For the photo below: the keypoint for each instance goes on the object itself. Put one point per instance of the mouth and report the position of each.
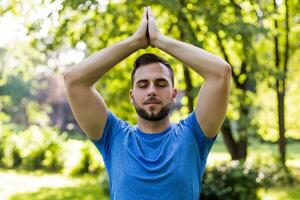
(151, 102)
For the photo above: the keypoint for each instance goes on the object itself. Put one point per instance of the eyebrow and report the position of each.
(156, 80)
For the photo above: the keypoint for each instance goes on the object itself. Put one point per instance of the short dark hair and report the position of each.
(148, 58)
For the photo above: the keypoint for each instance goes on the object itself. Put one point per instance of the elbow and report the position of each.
(65, 74)
(67, 77)
(226, 71)
(222, 72)
(72, 78)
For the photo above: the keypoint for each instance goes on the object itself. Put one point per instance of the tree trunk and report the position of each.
(238, 148)
(280, 82)
(188, 88)
(187, 74)
(282, 140)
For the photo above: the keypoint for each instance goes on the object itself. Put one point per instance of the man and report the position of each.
(153, 159)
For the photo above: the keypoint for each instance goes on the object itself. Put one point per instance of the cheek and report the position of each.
(138, 97)
(166, 96)
(168, 93)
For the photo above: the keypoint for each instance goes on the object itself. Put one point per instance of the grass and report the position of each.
(84, 191)
(286, 193)
(36, 186)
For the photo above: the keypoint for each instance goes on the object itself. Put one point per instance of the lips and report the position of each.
(151, 101)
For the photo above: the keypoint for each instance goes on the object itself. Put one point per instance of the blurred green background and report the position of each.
(45, 155)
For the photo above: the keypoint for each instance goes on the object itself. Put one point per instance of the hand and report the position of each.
(153, 31)
(141, 35)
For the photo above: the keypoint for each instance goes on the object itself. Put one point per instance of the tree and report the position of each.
(238, 35)
(281, 79)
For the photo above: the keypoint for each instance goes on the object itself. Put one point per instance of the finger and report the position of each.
(145, 13)
(150, 12)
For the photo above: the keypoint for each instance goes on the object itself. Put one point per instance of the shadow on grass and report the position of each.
(89, 191)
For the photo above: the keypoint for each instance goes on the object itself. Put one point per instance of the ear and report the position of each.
(174, 94)
(130, 96)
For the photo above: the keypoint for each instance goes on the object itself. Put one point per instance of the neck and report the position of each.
(153, 127)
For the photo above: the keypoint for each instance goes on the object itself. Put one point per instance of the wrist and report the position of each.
(138, 43)
(159, 41)
(133, 43)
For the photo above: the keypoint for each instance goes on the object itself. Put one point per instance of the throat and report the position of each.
(152, 127)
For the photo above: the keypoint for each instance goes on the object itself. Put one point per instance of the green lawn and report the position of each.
(83, 191)
(283, 193)
(15, 185)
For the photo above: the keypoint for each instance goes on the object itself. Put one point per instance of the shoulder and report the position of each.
(114, 121)
(190, 123)
(113, 126)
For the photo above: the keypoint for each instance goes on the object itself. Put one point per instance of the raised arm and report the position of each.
(213, 97)
(86, 103)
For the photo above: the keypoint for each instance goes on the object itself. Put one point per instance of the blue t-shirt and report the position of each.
(164, 166)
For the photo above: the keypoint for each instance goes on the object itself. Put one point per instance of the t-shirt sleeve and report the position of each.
(110, 130)
(205, 143)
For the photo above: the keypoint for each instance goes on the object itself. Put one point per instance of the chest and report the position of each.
(171, 161)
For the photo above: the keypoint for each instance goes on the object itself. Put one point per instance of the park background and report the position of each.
(45, 155)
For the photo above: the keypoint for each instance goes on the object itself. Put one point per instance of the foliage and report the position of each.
(273, 173)
(4, 133)
(231, 181)
(241, 180)
(12, 154)
(19, 102)
(33, 148)
(9, 151)
(86, 164)
(42, 148)
(14, 95)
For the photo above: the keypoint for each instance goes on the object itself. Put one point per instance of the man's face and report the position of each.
(152, 93)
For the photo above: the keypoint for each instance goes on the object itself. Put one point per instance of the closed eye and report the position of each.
(161, 85)
(158, 83)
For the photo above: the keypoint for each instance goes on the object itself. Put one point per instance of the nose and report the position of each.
(151, 90)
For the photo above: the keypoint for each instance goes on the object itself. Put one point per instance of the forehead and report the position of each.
(152, 71)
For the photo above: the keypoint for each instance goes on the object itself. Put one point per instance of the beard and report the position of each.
(164, 111)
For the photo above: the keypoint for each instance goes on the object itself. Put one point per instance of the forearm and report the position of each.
(204, 63)
(91, 69)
